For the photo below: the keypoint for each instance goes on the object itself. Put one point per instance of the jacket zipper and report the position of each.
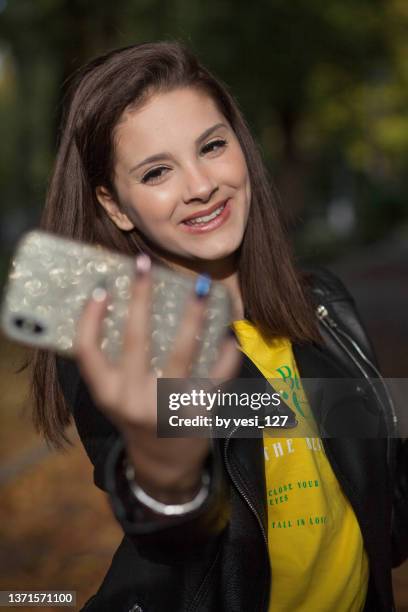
(334, 329)
(245, 497)
(391, 420)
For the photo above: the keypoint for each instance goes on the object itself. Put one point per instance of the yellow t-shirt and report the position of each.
(315, 545)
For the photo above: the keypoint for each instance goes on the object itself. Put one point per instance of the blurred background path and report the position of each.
(56, 528)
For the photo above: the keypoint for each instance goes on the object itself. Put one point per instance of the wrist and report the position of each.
(178, 492)
(166, 481)
(166, 504)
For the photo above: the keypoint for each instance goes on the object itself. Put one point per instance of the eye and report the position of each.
(214, 146)
(154, 175)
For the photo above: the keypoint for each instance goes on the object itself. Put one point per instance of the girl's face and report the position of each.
(180, 177)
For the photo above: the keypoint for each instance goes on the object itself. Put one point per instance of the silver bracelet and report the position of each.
(160, 507)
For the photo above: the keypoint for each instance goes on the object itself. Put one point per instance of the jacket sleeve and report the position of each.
(96, 432)
(164, 539)
(157, 538)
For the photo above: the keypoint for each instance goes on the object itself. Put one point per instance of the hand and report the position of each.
(126, 392)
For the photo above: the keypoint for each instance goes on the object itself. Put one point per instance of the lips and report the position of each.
(206, 212)
(212, 224)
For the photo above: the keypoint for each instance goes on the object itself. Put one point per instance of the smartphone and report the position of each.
(51, 278)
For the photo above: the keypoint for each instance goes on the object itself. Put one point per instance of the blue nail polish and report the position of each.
(203, 285)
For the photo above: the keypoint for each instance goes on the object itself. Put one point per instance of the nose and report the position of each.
(200, 184)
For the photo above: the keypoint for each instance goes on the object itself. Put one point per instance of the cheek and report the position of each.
(239, 170)
(244, 177)
(147, 207)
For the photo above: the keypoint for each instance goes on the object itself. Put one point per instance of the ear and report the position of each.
(120, 219)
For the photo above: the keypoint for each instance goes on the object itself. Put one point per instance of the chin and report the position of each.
(216, 254)
(220, 249)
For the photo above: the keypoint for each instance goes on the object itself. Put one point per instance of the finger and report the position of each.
(228, 362)
(92, 362)
(188, 334)
(135, 357)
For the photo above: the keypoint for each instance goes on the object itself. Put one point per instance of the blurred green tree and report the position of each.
(323, 84)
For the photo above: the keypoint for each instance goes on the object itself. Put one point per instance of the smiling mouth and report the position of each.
(206, 218)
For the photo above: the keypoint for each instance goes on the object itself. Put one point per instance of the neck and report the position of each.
(232, 284)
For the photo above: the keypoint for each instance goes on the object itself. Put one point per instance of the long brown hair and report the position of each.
(272, 291)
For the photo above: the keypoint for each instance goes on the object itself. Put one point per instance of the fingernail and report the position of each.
(202, 286)
(99, 294)
(143, 264)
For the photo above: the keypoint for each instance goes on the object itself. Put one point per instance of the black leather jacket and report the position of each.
(216, 559)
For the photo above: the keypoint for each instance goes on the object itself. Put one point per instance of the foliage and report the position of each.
(323, 84)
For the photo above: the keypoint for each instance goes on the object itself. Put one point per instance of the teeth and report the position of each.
(206, 218)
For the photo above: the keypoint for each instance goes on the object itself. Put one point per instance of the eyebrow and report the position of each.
(160, 156)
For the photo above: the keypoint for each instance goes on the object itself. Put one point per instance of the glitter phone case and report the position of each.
(51, 278)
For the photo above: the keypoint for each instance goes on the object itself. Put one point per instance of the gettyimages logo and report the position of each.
(288, 406)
